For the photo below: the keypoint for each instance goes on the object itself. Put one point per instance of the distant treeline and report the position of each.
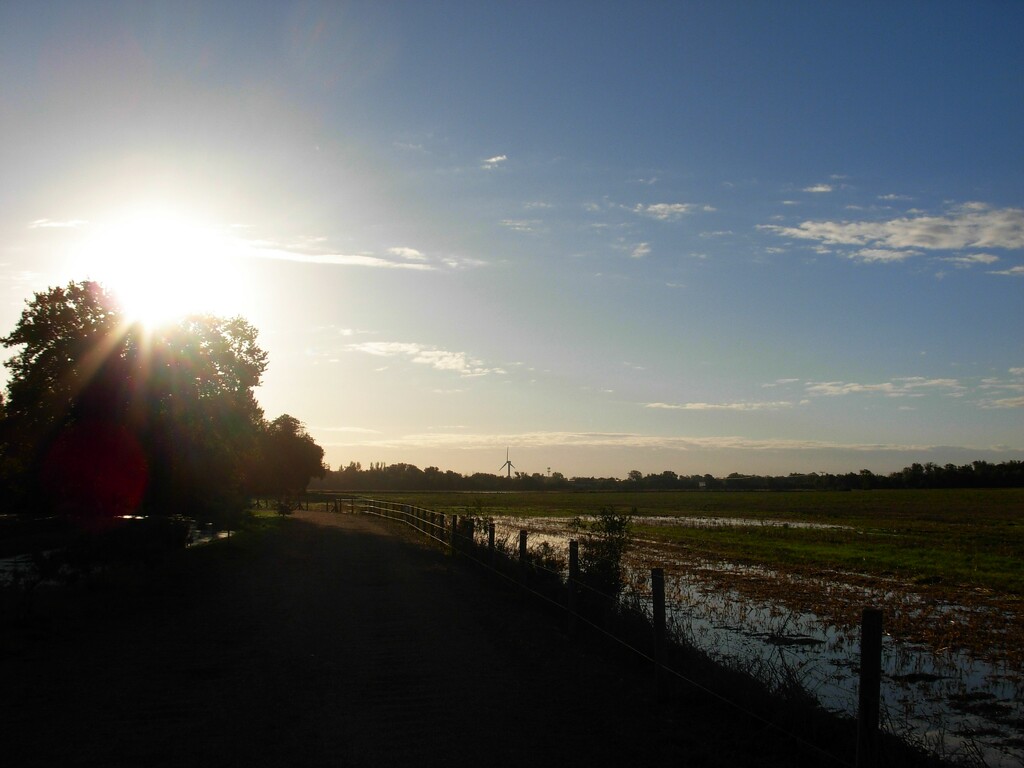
(408, 477)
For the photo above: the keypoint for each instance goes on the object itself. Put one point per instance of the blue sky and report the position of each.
(703, 237)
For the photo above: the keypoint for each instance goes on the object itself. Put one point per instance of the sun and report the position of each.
(163, 266)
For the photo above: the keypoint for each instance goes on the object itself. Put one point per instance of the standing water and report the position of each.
(757, 619)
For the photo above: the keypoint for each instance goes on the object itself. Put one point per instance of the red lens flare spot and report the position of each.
(96, 472)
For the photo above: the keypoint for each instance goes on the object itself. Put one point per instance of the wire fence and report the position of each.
(639, 620)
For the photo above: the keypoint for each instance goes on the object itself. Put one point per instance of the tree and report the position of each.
(103, 418)
(201, 418)
(289, 457)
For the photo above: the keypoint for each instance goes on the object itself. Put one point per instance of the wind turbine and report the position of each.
(508, 464)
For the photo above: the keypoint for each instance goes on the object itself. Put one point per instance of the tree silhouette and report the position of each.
(104, 418)
(289, 457)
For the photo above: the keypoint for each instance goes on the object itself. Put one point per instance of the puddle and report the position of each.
(24, 567)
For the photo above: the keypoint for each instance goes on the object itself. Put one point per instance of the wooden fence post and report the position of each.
(454, 545)
(574, 573)
(490, 543)
(870, 688)
(522, 557)
(658, 619)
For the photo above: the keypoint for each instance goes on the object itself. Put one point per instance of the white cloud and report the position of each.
(971, 259)
(467, 441)
(641, 250)
(439, 359)
(819, 188)
(407, 253)
(780, 382)
(970, 226)
(494, 162)
(1015, 384)
(745, 406)
(309, 251)
(1017, 271)
(669, 211)
(884, 255)
(522, 225)
(352, 430)
(337, 259)
(462, 262)
(1007, 402)
(910, 386)
(892, 197)
(55, 224)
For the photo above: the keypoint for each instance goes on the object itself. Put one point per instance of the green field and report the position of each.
(955, 538)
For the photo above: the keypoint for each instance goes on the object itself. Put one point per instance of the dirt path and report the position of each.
(338, 643)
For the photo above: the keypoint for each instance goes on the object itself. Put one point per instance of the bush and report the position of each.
(603, 543)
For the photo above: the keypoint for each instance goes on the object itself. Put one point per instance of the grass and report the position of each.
(967, 537)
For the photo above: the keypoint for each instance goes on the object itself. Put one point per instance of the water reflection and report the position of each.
(946, 700)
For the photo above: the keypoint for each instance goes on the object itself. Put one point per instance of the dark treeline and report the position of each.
(408, 477)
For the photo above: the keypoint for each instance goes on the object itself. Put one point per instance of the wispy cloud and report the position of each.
(57, 224)
(407, 253)
(350, 430)
(1006, 402)
(310, 250)
(670, 211)
(530, 226)
(469, 441)
(493, 162)
(439, 359)
(640, 250)
(742, 406)
(973, 225)
(910, 386)
(969, 260)
(1015, 384)
(1017, 271)
(881, 255)
(819, 188)
(338, 259)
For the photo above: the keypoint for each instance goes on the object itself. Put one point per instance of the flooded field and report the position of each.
(952, 674)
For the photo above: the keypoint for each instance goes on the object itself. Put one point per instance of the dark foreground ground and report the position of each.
(337, 642)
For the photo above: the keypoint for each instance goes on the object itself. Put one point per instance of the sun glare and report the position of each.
(163, 266)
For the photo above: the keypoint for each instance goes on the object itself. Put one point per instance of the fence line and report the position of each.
(458, 537)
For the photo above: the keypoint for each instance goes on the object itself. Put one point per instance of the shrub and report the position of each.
(604, 541)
